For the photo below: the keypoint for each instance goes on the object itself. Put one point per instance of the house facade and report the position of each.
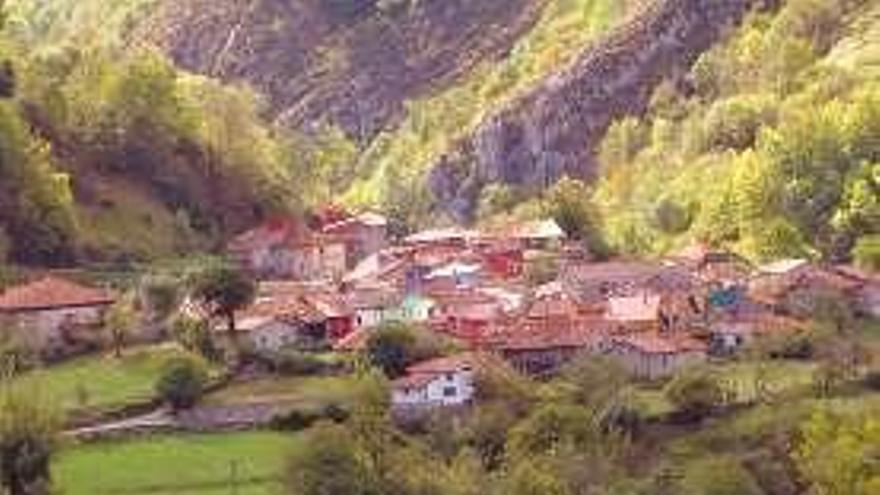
(285, 249)
(652, 356)
(363, 235)
(52, 315)
(443, 382)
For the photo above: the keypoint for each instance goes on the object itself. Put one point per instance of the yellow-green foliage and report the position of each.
(393, 168)
(772, 155)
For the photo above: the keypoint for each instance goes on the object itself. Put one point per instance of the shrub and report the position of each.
(872, 380)
(395, 345)
(695, 393)
(294, 420)
(182, 382)
(718, 476)
(296, 363)
(329, 463)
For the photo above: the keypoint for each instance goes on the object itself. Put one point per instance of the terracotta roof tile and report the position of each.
(52, 292)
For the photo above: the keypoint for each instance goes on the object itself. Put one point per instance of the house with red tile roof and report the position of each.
(284, 248)
(543, 347)
(52, 313)
(442, 382)
(793, 285)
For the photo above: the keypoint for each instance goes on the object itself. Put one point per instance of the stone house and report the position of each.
(651, 356)
(285, 249)
(53, 315)
(363, 235)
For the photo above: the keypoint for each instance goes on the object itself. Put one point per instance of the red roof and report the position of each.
(421, 374)
(52, 292)
(581, 333)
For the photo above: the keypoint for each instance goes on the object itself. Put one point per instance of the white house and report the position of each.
(442, 382)
(267, 333)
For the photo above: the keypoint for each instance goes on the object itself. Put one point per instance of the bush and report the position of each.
(295, 420)
(872, 380)
(328, 463)
(718, 476)
(866, 253)
(182, 382)
(395, 345)
(296, 363)
(695, 393)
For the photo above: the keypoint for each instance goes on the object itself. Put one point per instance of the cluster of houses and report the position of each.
(330, 285)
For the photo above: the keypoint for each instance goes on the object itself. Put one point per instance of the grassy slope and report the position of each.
(188, 464)
(108, 382)
(308, 393)
(434, 123)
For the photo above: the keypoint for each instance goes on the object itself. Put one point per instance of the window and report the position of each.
(450, 377)
(450, 391)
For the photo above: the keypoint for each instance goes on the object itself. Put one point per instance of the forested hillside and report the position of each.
(773, 148)
(112, 153)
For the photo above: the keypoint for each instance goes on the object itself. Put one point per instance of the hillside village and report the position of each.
(522, 292)
(440, 247)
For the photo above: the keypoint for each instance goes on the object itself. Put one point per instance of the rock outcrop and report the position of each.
(352, 63)
(555, 129)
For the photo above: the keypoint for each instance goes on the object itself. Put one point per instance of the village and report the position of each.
(524, 293)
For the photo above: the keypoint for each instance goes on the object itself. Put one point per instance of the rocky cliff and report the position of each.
(555, 129)
(352, 63)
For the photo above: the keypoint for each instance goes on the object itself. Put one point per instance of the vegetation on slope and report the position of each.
(123, 156)
(772, 148)
(393, 170)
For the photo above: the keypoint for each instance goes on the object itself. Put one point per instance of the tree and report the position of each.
(329, 463)
(570, 204)
(118, 323)
(29, 426)
(395, 345)
(160, 295)
(723, 475)
(223, 289)
(695, 393)
(866, 253)
(182, 382)
(837, 454)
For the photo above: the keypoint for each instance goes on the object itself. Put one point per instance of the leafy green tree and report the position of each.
(395, 345)
(160, 295)
(119, 322)
(835, 454)
(182, 382)
(223, 289)
(866, 253)
(570, 204)
(695, 393)
(551, 427)
(329, 463)
(195, 336)
(722, 475)
(534, 476)
(29, 427)
(734, 123)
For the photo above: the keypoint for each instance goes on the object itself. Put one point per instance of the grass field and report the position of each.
(185, 464)
(310, 393)
(102, 381)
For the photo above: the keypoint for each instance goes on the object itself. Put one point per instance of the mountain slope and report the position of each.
(352, 64)
(555, 129)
